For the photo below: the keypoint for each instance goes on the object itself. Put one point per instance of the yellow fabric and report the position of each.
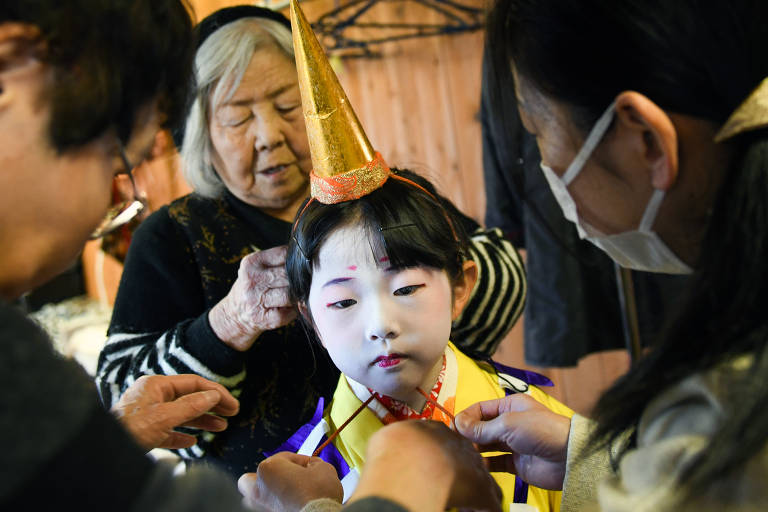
(474, 384)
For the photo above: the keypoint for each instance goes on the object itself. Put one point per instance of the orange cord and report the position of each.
(363, 406)
(445, 213)
(333, 436)
(434, 402)
(300, 214)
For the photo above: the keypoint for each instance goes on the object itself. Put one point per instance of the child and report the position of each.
(379, 280)
(377, 267)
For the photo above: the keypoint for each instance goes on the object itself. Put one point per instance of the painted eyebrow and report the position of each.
(248, 101)
(338, 280)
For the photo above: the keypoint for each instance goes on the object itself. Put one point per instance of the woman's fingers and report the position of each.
(489, 422)
(177, 441)
(207, 422)
(185, 384)
(535, 437)
(273, 257)
(276, 298)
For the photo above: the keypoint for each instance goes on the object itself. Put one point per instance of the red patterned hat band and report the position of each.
(352, 184)
(350, 189)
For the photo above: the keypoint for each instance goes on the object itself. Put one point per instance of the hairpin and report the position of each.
(299, 246)
(385, 228)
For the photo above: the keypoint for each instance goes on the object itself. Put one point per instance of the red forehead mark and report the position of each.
(352, 267)
(384, 259)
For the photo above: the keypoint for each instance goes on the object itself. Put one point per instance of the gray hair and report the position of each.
(220, 64)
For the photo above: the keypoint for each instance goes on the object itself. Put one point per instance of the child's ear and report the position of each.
(463, 289)
(307, 315)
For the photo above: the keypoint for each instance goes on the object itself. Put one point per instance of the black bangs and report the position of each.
(402, 221)
(410, 228)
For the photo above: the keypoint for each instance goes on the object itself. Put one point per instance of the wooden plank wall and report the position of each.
(419, 104)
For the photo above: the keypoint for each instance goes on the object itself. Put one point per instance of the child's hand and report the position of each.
(288, 481)
(536, 436)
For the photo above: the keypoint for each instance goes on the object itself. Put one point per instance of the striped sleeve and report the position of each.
(128, 356)
(159, 322)
(498, 298)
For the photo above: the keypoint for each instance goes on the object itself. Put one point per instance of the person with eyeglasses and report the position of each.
(124, 211)
(78, 103)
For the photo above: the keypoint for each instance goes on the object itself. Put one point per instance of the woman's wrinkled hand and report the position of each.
(257, 302)
(536, 437)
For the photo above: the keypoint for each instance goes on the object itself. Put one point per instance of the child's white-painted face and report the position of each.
(386, 329)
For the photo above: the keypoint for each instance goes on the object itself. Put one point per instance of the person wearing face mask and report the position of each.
(659, 162)
(77, 104)
(571, 308)
(204, 288)
(636, 249)
(651, 122)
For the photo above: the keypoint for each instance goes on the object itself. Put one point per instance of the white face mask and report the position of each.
(639, 249)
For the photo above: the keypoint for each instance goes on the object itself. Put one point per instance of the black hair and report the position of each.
(411, 227)
(700, 58)
(109, 59)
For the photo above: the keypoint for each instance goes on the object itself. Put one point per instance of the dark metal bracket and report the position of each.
(333, 28)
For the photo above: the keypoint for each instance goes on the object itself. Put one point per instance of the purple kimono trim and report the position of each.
(521, 491)
(330, 453)
(530, 378)
(332, 456)
(527, 376)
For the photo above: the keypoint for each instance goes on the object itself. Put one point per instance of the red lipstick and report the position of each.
(388, 360)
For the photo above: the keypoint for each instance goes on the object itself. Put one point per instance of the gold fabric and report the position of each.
(751, 115)
(351, 184)
(341, 153)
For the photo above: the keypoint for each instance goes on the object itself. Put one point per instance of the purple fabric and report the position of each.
(521, 488)
(521, 491)
(297, 439)
(526, 376)
(332, 456)
(330, 453)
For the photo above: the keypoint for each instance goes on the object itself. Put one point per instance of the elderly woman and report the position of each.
(204, 289)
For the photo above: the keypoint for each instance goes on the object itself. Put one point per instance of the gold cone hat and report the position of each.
(752, 114)
(345, 166)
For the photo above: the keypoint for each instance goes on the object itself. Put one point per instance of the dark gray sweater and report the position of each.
(64, 451)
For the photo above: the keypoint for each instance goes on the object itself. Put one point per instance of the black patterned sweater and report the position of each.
(184, 259)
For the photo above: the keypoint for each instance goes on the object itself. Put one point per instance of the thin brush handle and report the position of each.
(333, 436)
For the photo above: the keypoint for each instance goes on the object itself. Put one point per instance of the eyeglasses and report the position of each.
(124, 211)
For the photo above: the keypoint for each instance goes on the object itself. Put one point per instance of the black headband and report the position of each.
(214, 22)
(218, 19)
